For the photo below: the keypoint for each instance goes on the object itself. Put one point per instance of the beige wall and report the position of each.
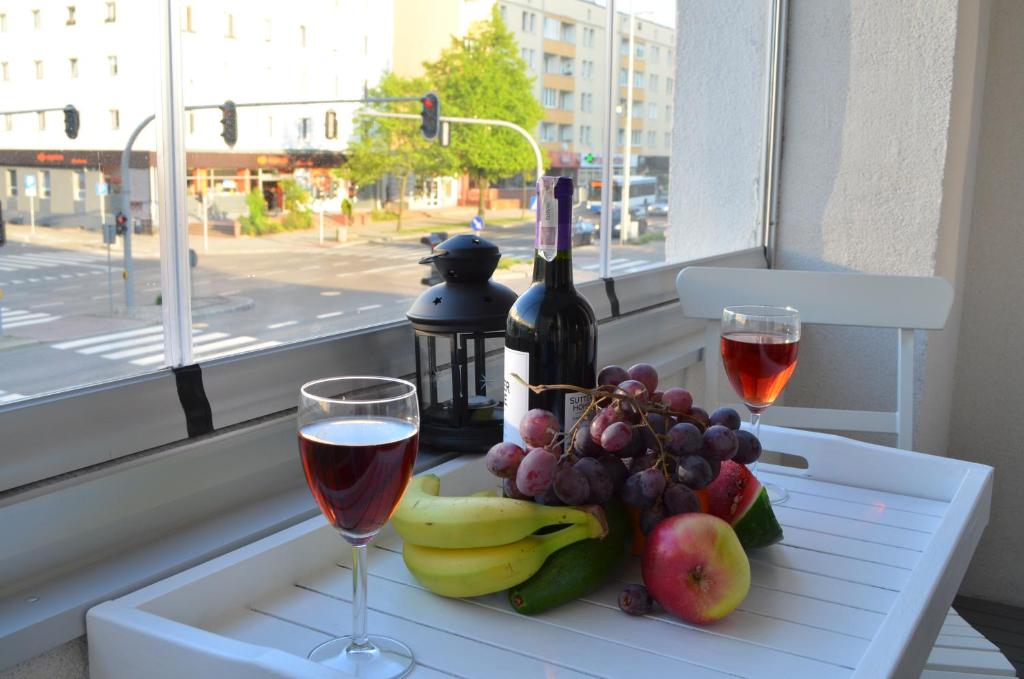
(422, 30)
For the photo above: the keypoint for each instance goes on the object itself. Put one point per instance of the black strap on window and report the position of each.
(613, 300)
(198, 415)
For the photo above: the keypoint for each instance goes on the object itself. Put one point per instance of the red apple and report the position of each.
(695, 567)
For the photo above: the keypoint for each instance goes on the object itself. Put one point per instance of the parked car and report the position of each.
(659, 208)
(636, 215)
(582, 232)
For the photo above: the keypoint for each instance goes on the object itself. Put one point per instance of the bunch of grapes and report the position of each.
(653, 448)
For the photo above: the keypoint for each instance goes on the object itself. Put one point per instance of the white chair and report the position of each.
(905, 303)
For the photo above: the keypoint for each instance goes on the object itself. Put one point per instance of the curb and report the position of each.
(228, 305)
(8, 342)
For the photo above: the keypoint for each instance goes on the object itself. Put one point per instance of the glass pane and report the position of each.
(66, 318)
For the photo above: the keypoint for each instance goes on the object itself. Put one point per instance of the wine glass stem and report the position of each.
(755, 425)
(359, 637)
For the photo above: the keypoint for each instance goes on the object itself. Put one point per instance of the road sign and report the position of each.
(102, 189)
(477, 223)
(109, 234)
(30, 185)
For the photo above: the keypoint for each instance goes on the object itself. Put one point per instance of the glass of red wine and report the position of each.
(358, 438)
(759, 347)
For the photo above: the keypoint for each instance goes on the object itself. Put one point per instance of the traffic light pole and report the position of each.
(472, 121)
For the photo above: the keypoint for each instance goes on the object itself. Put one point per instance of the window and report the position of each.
(638, 79)
(638, 109)
(550, 63)
(12, 182)
(565, 134)
(668, 113)
(585, 134)
(36, 20)
(652, 111)
(668, 140)
(637, 137)
(302, 36)
(189, 27)
(115, 119)
(3, 23)
(588, 37)
(548, 132)
(39, 69)
(549, 98)
(639, 47)
(44, 184)
(622, 76)
(73, 65)
(552, 28)
(652, 139)
(111, 12)
(568, 65)
(229, 25)
(305, 128)
(568, 33)
(8, 122)
(587, 69)
(620, 138)
(112, 64)
(191, 122)
(41, 121)
(652, 81)
(586, 102)
(528, 56)
(71, 16)
(526, 23)
(668, 85)
(504, 14)
(5, 70)
(654, 54)
(78, 184)
(565, 101)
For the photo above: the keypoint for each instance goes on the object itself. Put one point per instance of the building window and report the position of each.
(305, 128)
(638, 79)
(504, 14)
(565, 134)
(622, 77)
(115, 119)
(533, 22)
(548, 132)
(620, 138)
(527, 54)
(652, 81)
(550, 63)
(112, 64)
(37, 20)
(549, 98)
(668, 140)
(637, 137)
(5, 70)
(587, 69)
(3, 23)
(639, 50)
(302, 36)
(8, 122)
(586, 102)
(41, 120)
(44, 184)
(78, 184)
(268, 31)
(588, 37)
(668, 55)
(111, 12)
(71, 16)
(229, 25)
(652, 139)
(655, 54)
(568, 33)
(585, 134)
(668, 113)
(526, 22)
(565, 101)
(638, 109)
(624, 47)
(652, 111)
(568, 66)
(551, 28)
(668, 85)
(189, 28)
(191, 122)
(12, 182)
(39, 69)
(73, 65)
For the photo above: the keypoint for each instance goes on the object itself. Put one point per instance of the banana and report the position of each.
(425, 519)
(483, 570)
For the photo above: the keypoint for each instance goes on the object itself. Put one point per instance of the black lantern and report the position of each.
(460, 340)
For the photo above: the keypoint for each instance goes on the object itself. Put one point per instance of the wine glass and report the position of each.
(358, 438)
(759, 347)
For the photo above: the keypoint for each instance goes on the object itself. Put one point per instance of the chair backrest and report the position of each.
(906, 303)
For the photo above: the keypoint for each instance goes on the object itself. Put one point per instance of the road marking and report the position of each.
(18, 281)
(45, 306)
(331, 314)
(49, 278)
(66, 275)
(33, 280)
(330, 293)
(96, 297)
(254, 347)
(66, 287)
(378, 270)
(367, 308)
(406, 300)
(74, 344)
(36, 321)
(282, 324)
(80, 274)
(227, 293)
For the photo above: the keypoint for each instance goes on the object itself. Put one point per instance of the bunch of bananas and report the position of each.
(479, 544)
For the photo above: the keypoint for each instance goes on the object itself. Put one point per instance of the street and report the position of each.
(58, 329)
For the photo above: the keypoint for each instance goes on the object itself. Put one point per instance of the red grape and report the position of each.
(694, 472)
(646, 374)
(636, 389)
(651, 517)
(601, 486)
(726, 417)
(699, 414)
(538, 428)
(611, 375)
(656, 396)
(509, 489)
(678, 400)
(571, 486)
(652, 483)
(616, 469)
(583, 444)
(536, 471)
(749, 449)
(605, 418)
(636, 600)
(616, 437)
(678, 499)
(549, 497)
(645, 461)
(684, 439)
(633, 495)
(503, 459)
(720, 443)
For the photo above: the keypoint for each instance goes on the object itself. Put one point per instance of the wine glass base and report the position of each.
(383, 658)
(777, 495)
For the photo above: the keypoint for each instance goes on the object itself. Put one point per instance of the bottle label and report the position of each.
(575, 405)
(547, 218)
(517, 396)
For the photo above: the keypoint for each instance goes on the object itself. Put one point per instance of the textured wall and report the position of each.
(68, 661)
(986, 423)
(718, 127)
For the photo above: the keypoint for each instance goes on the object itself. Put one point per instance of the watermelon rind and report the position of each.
(758, 527)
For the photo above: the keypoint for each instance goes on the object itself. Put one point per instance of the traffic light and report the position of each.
(229, 122)
(121, 222)
(71, 121)
(430, 113)
(331, 125)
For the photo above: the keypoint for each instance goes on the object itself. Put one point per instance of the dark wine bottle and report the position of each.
(551, 333)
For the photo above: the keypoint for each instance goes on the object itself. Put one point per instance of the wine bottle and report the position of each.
(551, 332)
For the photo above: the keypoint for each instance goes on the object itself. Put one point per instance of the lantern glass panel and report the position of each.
(484, 383)
(435, 377)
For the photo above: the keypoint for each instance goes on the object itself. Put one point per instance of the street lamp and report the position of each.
(625, 218)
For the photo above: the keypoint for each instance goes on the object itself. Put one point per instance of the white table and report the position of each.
(876, 543)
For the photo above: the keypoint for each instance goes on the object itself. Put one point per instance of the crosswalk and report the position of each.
(622, 265)
(20, 269)
(145, 346)
(18, 318)
(9, 396)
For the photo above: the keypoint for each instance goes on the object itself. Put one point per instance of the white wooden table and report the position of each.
(876, 543)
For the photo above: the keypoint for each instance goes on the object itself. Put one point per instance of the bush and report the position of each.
(295, 221)
(383, 215)
(256, 222)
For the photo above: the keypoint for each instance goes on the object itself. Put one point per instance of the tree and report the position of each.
(383, 146)
(483, 76)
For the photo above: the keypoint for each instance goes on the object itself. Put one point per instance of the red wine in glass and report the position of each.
(358, 468)
(758, 365)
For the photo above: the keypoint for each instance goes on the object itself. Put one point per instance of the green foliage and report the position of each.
(296, 198)
(299, 216)
(255, 223)
(383, 215)
(346, 208)
(483, 76)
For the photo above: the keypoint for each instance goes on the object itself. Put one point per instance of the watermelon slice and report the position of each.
(738, 498)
